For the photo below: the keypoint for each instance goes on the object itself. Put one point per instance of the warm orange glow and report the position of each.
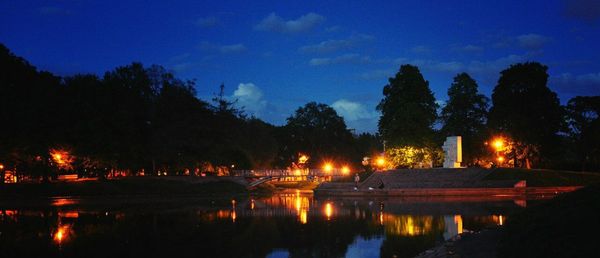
(303, 216)
(297, 172)
(328, 210)
(498, 143)
(501, 220)
(381, 218)
(500, 159)
(459, 223)
(252, 204)
(302, 159)
(409, 225)
(61, 234)
(63, 201)
(69, 214)
(62, 158)
(328, 167)
(381, 161)
(345, 170)
(1, 166)
(233, 214)
(298, 201)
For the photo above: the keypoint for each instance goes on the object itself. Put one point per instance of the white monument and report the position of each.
(452, 152)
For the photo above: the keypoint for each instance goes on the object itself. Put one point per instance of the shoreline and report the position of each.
(475, 192)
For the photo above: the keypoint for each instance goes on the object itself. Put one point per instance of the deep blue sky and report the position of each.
(274, 56)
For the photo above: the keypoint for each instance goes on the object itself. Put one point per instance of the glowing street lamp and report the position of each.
(381, 162)
(498, 144)
(345, 170)
(328, 167)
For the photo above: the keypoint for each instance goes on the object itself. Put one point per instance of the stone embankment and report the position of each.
(436, 182)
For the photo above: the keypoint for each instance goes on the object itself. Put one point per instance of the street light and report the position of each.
(345, 170)
(381, 162)
(498, 144)
(328, 167)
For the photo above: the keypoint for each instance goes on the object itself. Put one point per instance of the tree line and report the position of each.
(142, 118)
(535, 129)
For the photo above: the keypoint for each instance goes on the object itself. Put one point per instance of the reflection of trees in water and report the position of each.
(261, 226)
(185, 233)
(408, 235)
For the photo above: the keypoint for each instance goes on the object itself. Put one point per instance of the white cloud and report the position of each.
(224, 49)
(342, 59)
(250, 97)
(433, 65)
(532, 41)
(353, 111)
(583, 84)
(334, 45)
(207, 22)
(475, 67)
(275, 23)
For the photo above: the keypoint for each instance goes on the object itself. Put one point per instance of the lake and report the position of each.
(282, 225)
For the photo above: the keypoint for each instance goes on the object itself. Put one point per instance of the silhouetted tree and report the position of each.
(408, 110)
(584, 123)
(465, 115)
(526, 110)
(29, 111)
(317, 130)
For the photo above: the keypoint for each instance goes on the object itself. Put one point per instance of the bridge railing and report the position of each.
(286, 172)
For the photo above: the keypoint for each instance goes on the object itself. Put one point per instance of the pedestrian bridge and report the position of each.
(259, 176)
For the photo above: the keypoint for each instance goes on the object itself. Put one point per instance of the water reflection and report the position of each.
(63, 201)
(328, 210)
(293, 224)
(62, 234)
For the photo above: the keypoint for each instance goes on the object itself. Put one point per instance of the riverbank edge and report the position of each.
(480, 191)
(133, 187)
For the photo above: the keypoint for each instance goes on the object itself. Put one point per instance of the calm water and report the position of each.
(283, 225)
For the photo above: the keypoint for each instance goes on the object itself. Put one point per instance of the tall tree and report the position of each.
(465, 115)
(317, 130)
(28, 109)
(408, 110)
(525, 109)
(584, 123)
(131, 99)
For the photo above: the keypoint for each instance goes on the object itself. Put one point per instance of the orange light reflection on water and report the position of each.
(63, 201)
(62, 234)
(328, 210)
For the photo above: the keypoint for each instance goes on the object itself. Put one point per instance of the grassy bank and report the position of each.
(544, 177)
(562, 227)
(125, 186)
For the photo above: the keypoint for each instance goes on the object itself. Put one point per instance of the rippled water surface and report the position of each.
(282, 225)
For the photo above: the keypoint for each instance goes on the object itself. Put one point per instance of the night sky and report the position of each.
(274, 57)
